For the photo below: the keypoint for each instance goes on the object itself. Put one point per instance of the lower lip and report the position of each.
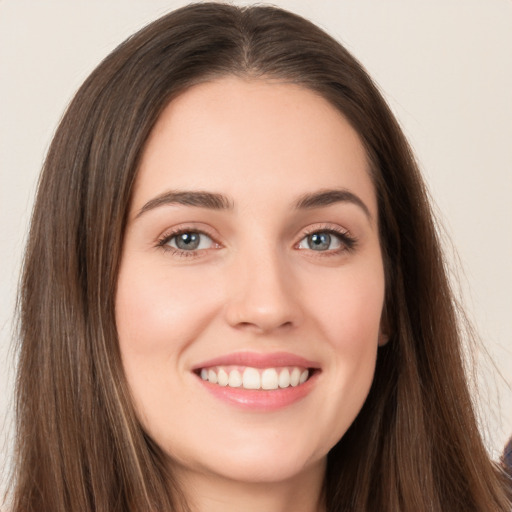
(260, 399)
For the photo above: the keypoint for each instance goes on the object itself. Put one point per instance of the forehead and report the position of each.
(254, 137)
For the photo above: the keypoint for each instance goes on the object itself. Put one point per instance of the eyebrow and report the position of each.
(217, 201)
(328, 197)
(201, 199)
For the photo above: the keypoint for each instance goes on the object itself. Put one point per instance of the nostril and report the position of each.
(262, 326)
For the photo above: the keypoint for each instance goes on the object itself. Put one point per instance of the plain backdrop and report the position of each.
(445, 67)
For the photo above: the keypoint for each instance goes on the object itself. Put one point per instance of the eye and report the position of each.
(326, 240)
(188, 241)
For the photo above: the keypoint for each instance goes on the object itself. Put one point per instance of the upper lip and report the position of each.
(258, 360)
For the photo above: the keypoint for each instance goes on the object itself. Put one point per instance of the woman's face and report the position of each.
(251, 283)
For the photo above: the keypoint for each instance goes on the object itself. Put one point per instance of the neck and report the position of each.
(301, 493)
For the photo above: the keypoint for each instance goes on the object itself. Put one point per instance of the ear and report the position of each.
(384, 328)
(383, 338)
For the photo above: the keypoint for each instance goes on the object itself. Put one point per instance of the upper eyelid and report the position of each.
(324, 228)
(349, 241)
(175, 231)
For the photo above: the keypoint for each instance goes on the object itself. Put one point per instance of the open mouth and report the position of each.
(246, 377)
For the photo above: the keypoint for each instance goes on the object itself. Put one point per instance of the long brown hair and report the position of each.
(415, 444)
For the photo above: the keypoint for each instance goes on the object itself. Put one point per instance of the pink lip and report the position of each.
(258, 360)
(260, 400)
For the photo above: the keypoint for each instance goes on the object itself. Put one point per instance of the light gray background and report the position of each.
(445, 67)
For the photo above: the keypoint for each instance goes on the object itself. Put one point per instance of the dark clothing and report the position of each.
(507, 457)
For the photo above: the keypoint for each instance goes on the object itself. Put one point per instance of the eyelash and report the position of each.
(168, 236)
(348, 242)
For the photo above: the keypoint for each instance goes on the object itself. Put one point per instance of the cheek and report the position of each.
(158, 315)
(348, 314)
(349, 308)
(355, 331)
(157, 312)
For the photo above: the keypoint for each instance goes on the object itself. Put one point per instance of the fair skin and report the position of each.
(280, 271)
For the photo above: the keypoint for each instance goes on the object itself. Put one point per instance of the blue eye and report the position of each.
(322, 241)
(189, 241)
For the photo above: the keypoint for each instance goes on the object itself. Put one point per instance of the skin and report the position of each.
(255, 284)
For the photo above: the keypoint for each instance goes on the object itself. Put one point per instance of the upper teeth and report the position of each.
(255, 378)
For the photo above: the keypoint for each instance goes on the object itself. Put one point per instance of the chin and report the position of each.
(254, 463)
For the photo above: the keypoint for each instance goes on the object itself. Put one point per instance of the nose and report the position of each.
(262, 295)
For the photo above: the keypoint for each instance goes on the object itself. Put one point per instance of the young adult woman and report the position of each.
(234, 296)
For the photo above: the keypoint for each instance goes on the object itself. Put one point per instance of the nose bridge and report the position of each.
(262, 294)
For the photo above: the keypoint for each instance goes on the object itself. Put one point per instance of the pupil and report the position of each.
(319, 241)
(188, 241)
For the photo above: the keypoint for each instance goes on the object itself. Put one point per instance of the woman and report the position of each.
(234, 296)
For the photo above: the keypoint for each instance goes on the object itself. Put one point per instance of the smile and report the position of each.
(258, 381)
(255, 378)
